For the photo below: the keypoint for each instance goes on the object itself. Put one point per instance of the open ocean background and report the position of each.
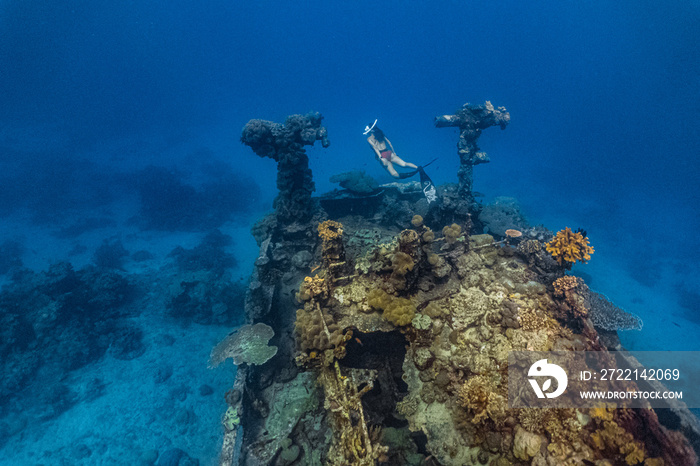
(105, 106)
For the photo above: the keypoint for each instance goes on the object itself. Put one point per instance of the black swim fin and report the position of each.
(405, 175)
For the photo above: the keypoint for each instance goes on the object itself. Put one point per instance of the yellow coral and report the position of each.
(400, 311)
(634, 453)
(429, 236)
(417, 221)
(568, 246)
(310, 287)
(330, 230)
(378, 299)
(601, 412)
(615, 439)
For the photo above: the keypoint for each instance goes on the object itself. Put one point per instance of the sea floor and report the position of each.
(165, 399)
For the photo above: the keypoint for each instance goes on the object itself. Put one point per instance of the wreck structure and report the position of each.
(472, 120)
(392, 329)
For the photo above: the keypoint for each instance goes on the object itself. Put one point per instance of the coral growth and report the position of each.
(566, 283)
(402, 263)
(618, 443)
(451, 233)
(400, 312)
(574, 292)
(247, 345)
(312, 287)
(316, 332)
(607, 316)
(332, 248)
(568, 247)
(378, 299)
(479, 395)
(330, 230)
(580, 301)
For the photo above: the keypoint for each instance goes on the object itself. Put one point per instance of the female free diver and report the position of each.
(384, 150)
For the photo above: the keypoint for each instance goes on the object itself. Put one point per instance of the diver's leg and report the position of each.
(396, 159)
(390, 168)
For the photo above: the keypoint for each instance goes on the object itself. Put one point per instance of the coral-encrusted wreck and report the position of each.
(394, 331)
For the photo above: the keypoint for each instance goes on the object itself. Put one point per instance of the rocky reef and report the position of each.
(393, 332)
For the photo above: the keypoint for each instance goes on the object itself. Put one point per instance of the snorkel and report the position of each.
(370, 128)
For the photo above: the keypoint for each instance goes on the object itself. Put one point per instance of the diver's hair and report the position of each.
(378, 134)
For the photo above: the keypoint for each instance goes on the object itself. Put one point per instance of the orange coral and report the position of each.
(568, 246)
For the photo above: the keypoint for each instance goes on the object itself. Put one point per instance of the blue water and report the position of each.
(105, 104)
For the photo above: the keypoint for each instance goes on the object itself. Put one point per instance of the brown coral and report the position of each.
(479, 395)
(316, 332)
(530, 246)
(564, 284)
(408, 238)
(451, 233)
(330, 230)
(402, 263)
(333, 250)
(568, 247)
(574, 291)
